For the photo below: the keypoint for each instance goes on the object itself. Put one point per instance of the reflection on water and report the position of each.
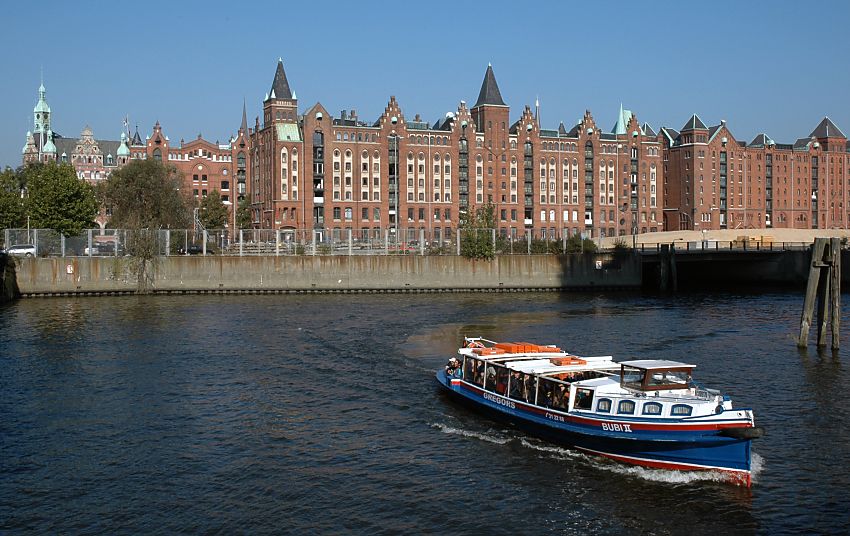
(320, 414)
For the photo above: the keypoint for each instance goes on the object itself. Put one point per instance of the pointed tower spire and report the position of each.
(490, 93)
(280, 85)
(244, 126)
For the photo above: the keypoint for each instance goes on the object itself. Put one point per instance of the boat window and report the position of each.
(497, 379)
(632, 377)
(604, 405)
(626, 406)
(652, 408)
(584, 398)
(474, 371)
(681, 410)
(669, 379)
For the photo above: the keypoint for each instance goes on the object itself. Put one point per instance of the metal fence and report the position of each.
(271, 242)
(378, 241)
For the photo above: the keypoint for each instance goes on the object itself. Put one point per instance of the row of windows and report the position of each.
(627, 407)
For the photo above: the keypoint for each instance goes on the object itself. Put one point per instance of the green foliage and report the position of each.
(145, 194)
(476, 232)
(621, 247)
(542, 247)
(12, 214)
(575, 244)
(213, 213)
(57, 199)
(243, 215)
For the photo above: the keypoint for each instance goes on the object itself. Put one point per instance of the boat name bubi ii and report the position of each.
(644, 412)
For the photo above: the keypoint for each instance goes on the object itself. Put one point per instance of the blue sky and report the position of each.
(776, 67)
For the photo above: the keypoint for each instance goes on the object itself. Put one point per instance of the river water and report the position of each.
(320, 414)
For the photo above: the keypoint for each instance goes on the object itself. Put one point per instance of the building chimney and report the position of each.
(342, 114)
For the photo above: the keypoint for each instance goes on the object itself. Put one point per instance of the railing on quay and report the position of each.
(703, 246)
(283, 242)
(378, 241)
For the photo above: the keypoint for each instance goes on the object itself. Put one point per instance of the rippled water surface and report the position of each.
(320, 414)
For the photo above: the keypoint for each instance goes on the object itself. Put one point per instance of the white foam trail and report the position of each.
(477, 435)
(661, 475)
(645, 473)
(756, 465)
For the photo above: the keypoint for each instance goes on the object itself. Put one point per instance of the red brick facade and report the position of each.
(334, 174)
(717, 182)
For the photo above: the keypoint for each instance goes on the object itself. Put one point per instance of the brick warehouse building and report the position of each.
(334, 174)
(714, 181)
(205, 166)
(312, 171)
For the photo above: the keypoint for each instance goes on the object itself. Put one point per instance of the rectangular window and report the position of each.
(364, 214)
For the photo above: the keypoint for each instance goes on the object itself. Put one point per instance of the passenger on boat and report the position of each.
(558, 401)
(546, 395)
(516, 386)
(453, 369)
(529, 388)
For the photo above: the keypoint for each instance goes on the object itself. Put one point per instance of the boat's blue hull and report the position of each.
(680, 444)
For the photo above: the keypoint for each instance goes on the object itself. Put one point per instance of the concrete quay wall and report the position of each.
(83, 275)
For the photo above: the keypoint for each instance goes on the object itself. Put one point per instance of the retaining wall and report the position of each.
(81, 275)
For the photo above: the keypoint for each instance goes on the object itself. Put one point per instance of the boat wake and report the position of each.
(597, 462)
(490, 436)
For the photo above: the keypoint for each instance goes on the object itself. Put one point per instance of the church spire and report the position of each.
(280, 85)
(490, 93)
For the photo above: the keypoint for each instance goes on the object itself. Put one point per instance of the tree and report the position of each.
(475, 232)
(144, 197)
(243, 215)
(12, 214)
(57, 199)
(145, 194)
(213, 213)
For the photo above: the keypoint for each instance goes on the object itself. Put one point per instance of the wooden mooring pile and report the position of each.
(825, 285)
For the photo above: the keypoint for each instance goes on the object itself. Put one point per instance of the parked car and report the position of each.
(21, 250)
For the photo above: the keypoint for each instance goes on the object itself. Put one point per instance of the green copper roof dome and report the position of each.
(41, 105)
(123, 150)
(49, 147)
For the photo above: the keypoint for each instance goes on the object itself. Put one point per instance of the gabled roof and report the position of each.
(827, 129)
(562, 130)
(671, 134)
(574, 132)
(648, 131)
(712, 131)
(802, 144)
(762, 140)
(489, 93)
(694, 123)
(280, 85)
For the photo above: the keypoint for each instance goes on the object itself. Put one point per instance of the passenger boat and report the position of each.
(643, 412)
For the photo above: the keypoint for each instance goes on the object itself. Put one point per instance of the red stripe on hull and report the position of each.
(743, 478)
